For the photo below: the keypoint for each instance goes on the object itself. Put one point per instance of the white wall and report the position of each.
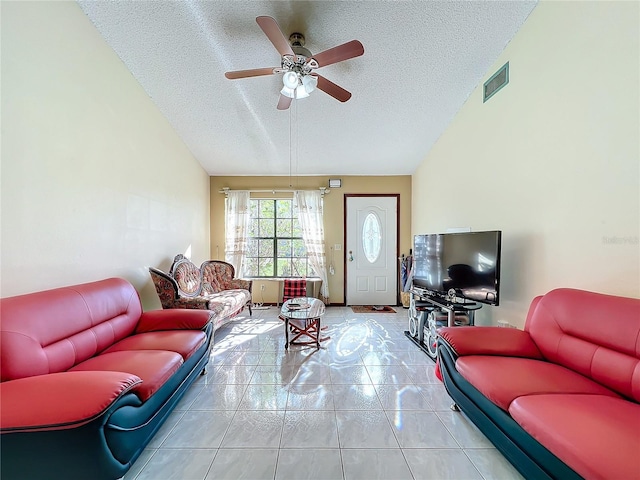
(95, 182)
(552, 159)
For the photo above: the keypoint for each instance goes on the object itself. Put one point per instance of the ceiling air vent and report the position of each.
(496, 82)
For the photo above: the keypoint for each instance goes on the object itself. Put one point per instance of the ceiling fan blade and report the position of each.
(271, 29)
(337, 54)
(256, 72)
(330, 88)
(284, 102)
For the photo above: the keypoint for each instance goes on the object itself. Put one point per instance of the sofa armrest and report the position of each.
(173, 319)
(60, 401)
(238, 283)
(490, 341)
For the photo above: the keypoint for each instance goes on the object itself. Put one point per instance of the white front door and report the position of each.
(371, 251)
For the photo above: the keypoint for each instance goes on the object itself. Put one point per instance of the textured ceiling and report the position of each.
(422, 60)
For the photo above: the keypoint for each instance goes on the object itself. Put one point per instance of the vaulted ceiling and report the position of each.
(422, 60)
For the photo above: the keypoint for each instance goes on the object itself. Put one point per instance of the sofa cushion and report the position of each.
(184, 342)
(70, 399)
(53, 330)
(573, 328)
(503, 379)
(475, 340)
(178, 319)
(595, 435)
(218, 274)
(187, 276)
(154, 367)
(210, 279)
(228, 302)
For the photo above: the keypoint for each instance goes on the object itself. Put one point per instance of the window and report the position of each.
(371, 237)
(276, 247)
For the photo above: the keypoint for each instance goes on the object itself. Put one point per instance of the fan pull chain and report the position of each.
(290, 144)
(297, 159)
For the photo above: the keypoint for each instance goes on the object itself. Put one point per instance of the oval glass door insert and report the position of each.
(371, 237)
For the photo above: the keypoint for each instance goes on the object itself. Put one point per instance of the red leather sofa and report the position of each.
(87, 378)
(559, 399)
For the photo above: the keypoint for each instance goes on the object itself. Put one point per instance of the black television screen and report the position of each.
(468, 263)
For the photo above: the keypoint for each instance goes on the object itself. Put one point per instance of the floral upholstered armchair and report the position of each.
(211, 286)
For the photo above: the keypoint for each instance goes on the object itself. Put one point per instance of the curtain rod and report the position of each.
(323, 190)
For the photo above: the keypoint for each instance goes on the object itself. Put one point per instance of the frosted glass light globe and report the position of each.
(290, 80)
(310, 83)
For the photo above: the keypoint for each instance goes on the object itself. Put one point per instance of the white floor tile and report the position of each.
(356, 397)
(199, 429)
(375, 464)
(189, 396)
(178, 464)
(377, 357)
(260, 428)
(310, 397)
(350, 375)
(450, 464)
(417, 429)
(309, 464)
(219, 396)
(311, 372)
(402, 397)
(365, 429)
(264, 397)
(492, 465)
(423, 373)
(244, 464)
(229, 374)
(388, 374)
(437, 396)
(367, 405)
(272, 374)
(463, 430)
(307, 429)
(243, 358)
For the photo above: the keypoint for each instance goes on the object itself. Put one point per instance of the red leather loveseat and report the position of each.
(559, 399)
(87, 378)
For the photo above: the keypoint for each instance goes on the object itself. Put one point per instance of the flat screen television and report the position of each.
(465, 264)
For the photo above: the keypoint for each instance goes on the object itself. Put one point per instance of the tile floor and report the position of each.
(366, 406)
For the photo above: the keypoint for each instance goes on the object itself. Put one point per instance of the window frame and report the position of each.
(309, 272)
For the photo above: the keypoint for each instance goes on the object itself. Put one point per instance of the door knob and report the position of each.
(351, 255)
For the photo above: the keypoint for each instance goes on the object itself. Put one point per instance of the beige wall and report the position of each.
(552, 159)
(333, 214)
(95, 182)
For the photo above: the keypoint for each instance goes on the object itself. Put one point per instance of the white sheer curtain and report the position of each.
(308, 204)
(236, 226)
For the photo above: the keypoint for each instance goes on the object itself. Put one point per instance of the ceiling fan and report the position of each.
(298, 65)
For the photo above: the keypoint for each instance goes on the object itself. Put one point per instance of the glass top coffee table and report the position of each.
(301, 318)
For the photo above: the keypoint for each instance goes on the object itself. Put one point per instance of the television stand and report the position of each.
(427, 313)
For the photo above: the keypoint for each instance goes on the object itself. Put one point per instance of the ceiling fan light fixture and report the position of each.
(301, 92)
(310, 83)
(290, 80)
(297, 64)
(288, 92)
(296, 88)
